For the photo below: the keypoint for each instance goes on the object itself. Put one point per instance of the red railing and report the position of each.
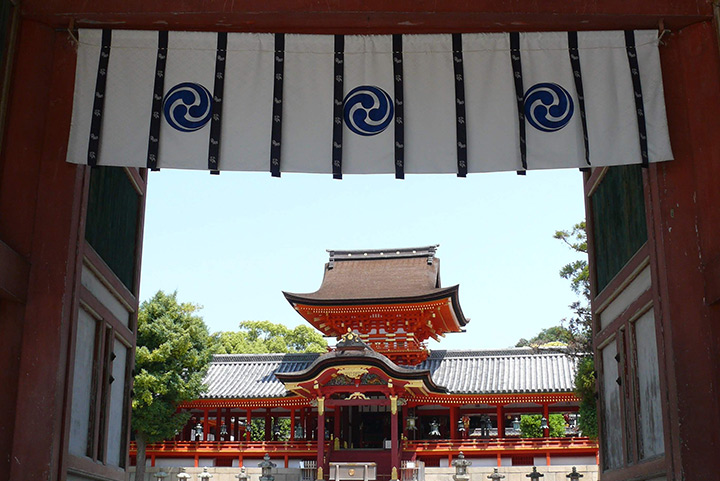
(231, 448)
(506, 445)
(574, 445)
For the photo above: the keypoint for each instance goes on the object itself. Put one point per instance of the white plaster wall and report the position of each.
(116, 420)
(171, 462)
(650, 412)
(292, 463)
(82, 381)
(572, 460)
(103, 294)
(632, 291)
(483, 461)
(612, 440)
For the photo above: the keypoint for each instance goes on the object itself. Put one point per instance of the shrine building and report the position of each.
(380, 396)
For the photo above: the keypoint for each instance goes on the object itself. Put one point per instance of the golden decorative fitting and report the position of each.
(393, 407)
(351, 472)
(321, 406)
(353, 372)
(336, 445)
(320, 474)
(394, 475)
(357, 395)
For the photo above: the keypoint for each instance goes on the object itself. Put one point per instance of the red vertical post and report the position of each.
(248, 435)
(218, 421)
(303, 422)
(395, 452)
(321, 437)
(499, 460)
(500, 421)
(454, 417)
(206, 424)
(336, 425)
(292, 425)
(546, 414)
(267, 425)
(405, 416)
(228, 424)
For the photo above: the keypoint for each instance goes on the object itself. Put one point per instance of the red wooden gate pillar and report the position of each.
(336, 427)
(321, 437)
(292, 424)
(395, 453)
(454, 417)
(500, 421)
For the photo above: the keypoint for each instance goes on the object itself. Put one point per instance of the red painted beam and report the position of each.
(371, 16)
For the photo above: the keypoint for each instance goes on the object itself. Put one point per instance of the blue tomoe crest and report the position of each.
(368, 110)
(548, 107)
(187, 106)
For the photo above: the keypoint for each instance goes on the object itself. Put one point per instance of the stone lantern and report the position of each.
(266, 466)
(204, 476)
(495, 476)
(182, 475)
(160, 475)
(242, 475)
(574, 475)
(534, 475)
(461, 464)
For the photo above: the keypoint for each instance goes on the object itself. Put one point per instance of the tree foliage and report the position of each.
(577, 272)
(580, 326)
(173, 351)
(551, 336)
(261, 337)
(530, 426)
(585, 390)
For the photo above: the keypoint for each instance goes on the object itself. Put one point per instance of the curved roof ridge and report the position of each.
(511, 351)
(297, 356)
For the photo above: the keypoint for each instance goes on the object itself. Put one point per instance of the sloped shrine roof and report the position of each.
(378, 276)
(508, 371)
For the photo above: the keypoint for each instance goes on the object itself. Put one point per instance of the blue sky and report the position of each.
(232, 243)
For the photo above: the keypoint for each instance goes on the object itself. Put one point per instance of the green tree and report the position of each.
(530, 426)
(577, 272)
(580, 327)
(173, 351)
(261, 337)
(585, 390)
(552, 336)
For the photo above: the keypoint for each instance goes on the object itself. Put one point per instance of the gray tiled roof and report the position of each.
(518, 370)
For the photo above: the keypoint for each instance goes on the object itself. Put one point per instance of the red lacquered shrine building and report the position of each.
(380, 396)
